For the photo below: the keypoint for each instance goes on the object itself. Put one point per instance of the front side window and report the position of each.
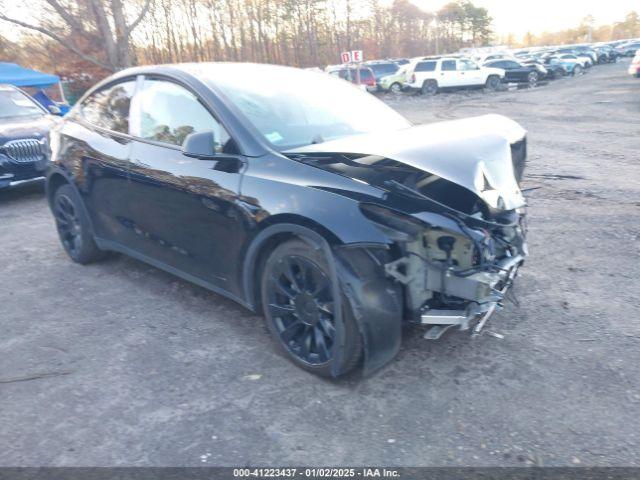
(14, 103)
(166, 112)
(109, 107)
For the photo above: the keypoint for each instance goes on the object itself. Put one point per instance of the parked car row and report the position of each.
(431, 74)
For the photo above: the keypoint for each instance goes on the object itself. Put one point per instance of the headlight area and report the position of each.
(450, 278)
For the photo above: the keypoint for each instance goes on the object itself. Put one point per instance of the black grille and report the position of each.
(27, 150)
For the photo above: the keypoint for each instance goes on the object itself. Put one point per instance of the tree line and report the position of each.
(108, 35)
(84, 40)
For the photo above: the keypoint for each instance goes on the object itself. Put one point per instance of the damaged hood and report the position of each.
(474, 153)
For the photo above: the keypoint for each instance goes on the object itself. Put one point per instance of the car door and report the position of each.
(449, 74)
(183, 209)
(97, 146)
(468, 72)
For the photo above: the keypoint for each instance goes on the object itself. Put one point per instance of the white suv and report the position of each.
(430, 74)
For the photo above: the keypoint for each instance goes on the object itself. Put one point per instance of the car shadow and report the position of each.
(21, 192)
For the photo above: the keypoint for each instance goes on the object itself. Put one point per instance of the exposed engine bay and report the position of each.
(451, 279)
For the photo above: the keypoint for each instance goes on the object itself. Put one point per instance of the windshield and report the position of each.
(293, 108)
(16, 104)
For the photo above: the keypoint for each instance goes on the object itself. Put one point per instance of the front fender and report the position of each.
(358, 276)
(54, 177)
(376, 302)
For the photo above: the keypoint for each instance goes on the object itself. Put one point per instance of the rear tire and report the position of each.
(74, 228)
(297, 301)
(429, 87)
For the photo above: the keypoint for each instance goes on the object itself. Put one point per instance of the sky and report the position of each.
(509, 16)
(520, 16)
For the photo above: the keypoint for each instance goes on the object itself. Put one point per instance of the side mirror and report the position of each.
(200, 145)
(54, 110)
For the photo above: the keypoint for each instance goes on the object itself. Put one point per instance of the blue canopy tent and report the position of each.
(18, 76)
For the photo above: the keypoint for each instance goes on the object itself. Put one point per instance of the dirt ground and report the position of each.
(121, 364)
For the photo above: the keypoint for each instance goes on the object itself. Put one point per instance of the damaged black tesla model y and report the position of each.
(299, 196)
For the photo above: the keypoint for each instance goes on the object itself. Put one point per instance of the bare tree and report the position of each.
(76, 23)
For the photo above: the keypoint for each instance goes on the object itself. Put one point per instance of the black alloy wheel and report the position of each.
(68, 224)
(299, 306)
(73, 226)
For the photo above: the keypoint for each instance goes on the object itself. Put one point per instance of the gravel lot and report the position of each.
(121, 364)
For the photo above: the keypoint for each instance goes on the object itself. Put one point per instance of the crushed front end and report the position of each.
(450, 208)
(457, 275)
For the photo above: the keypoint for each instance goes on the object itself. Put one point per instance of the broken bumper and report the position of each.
(478, 311)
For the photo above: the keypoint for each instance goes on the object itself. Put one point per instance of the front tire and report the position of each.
(395, 88)
(492, 83)
(74, 229)
(298, 304)
(532, 79)
(577, 70)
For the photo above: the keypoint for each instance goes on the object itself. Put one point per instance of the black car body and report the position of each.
(399, 223)
(516, 72)
(24, 125)
(547, 71)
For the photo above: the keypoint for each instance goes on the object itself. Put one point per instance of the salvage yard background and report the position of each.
(118, 363)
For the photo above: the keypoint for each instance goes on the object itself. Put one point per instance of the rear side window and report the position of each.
(109, 107)
(166, 112)
(425, 67)
(384, 68)
(448, 65)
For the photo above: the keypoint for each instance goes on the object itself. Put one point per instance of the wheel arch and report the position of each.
(56, 177)
(54, 181)
(379, 321)
(279, 229)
